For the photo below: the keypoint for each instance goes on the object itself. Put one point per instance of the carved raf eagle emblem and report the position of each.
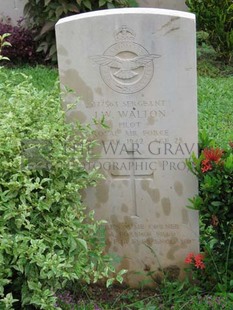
(126, 66)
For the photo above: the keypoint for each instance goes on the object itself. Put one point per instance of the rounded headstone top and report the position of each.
(129, 11)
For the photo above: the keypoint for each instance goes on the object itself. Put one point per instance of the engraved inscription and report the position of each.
(164, 234)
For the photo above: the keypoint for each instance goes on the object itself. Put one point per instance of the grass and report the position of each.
(215, 115)
(215, 108)
(43, 78)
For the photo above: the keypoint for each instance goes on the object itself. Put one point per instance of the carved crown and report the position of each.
(125, 34)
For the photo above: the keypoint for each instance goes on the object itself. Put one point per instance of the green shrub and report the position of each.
(46, 235)
(214, 169)
(43, 15)
(216, 18)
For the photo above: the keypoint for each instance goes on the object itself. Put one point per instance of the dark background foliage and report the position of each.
(215, 18)
(43, 15)
(23, 46)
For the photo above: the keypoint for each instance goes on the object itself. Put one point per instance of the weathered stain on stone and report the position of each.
(108, 244)
(109, 123)
(171, 30)
(158, 277)
(149, 241)
(157, 214)
(171, 20)
(125, 264)
(184, 245)
(84, 194)
(185, 217)
(166, 204)
(76, 83)
(77, 115)
(178, 188)
(98, 90)
(174, 248)
(147, 268)
(102, 192)
(151, 120)
(122, 229)
(172, 272)
(81, 117)
(152, 192)
(124, 208)
(98, 205)
(61, 50)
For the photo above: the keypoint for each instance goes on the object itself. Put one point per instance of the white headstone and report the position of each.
(12, 9)
(137, 67)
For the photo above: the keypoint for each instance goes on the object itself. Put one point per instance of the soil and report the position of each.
(113, 298)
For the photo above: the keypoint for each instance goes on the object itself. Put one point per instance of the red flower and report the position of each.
(196, 260)
(189, 258)
(199, 261)
(205, 165)
(210, 155)
(213, 154)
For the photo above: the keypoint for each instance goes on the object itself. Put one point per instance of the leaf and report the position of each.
(133, 3)
(34, 285)
(110, 6)
(73, 8)
(43, 47)
(27, 9)
(87, 4)
(228, 164)
(102, 2)
(196, 203)
(52, 50)
(109, 282)
(6, 44)
(122, 271)
(4, 36)
(46, 2)
(83, 243)
(59, 11)
(47, 27)
(4, 58)
(119, 278)
(73, 244)
(216, 203)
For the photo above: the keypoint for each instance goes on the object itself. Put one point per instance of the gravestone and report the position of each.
(137, 68)
(13, 9)
(164, 4)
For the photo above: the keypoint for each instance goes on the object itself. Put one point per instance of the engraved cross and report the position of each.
(133, 177)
